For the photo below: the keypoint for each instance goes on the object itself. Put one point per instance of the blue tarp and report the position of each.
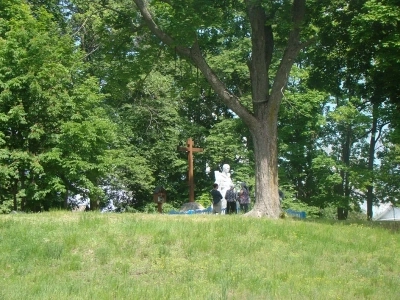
(297, 214)
(207, 210)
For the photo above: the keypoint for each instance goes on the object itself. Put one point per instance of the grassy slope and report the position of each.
(63, 255)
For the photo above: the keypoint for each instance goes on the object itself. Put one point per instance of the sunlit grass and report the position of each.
(63, 255)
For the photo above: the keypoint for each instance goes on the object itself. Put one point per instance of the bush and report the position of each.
(130, 209)
(6, 206)
(204, 200)
(150, 208)
(167, 207)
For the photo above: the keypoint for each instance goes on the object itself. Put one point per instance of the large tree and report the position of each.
(273, 34)
(55, 134)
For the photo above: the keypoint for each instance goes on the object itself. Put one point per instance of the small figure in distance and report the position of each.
(244, 198)
(217, 197)
(230, 197)
(281, 196)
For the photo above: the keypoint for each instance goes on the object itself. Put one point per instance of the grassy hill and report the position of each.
(64, 255)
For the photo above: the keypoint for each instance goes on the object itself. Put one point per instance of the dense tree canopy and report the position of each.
(54, 132)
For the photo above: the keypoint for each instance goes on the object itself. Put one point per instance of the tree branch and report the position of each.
(293, 47)
(231, 100)
(261, 52)
(196, 57)
(104, 6)
(380, 130)
(165, 38)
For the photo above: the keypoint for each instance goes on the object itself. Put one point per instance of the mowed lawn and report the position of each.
(65, 255)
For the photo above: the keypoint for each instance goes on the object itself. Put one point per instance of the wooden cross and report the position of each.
(190, 149)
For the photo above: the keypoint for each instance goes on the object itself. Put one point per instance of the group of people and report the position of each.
(224, 196)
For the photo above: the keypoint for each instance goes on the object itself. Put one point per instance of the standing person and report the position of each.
(217, 197)
(244, 198)
(230, 197)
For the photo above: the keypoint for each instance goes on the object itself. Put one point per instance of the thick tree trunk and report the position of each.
(266, 188)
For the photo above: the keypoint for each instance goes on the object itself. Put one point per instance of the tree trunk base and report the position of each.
(259, 214)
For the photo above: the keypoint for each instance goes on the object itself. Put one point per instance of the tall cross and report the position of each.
(190, 149)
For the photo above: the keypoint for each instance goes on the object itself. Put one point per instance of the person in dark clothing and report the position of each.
(230, 197)
(217, 197)
(244, 198)
(281, 196)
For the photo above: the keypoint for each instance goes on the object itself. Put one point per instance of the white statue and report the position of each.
(224, 182)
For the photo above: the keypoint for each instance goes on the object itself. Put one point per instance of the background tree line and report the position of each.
(92, 103)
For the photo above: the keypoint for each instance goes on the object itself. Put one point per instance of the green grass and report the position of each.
(63, 255)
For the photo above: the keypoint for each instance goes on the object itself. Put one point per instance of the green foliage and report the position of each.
(204, 199)
(388, 177)
(228, 142)
(6, 206)
(150, 208)
(300, 128)
(355, 61)
(167, 207)
(327, 170)
(290, 201)
(55, 131)
(374, 34)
